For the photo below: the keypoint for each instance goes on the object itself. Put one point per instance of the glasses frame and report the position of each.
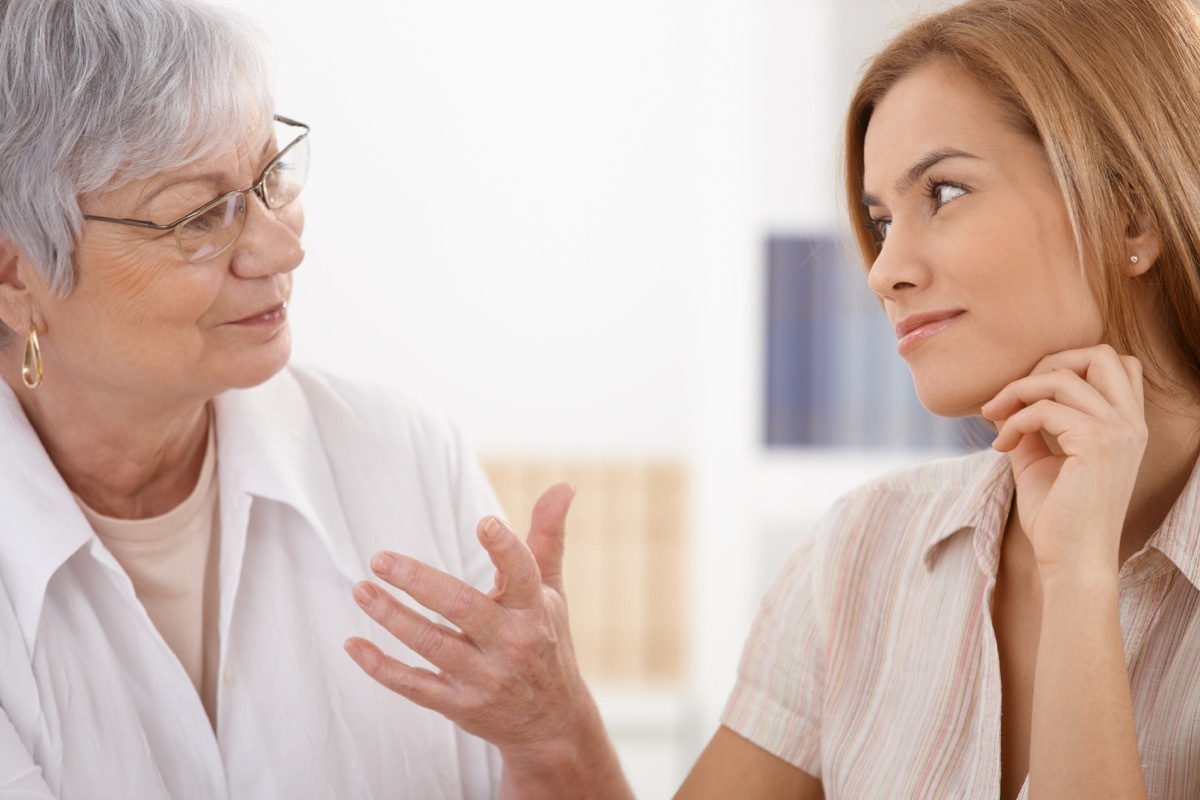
(258, 188)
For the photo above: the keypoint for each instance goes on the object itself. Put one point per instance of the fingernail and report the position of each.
(491, 528)
(360, 653)
(365, 593)
(383, 563)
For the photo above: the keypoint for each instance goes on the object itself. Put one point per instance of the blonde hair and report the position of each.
(1111, 89)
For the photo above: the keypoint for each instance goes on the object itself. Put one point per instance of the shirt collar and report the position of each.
(983, 502)
(42, 525)
(269, 446)
(1178, 538)
(979, 498)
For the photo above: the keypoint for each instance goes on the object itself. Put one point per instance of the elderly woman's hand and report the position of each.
(508, 674)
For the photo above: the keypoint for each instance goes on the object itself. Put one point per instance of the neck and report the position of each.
(123, 460)
(1173, 424)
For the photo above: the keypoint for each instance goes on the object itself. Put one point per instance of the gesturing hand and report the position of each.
(1075, 431)
(508, 674)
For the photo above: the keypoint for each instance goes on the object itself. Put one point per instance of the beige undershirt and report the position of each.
(172, 562)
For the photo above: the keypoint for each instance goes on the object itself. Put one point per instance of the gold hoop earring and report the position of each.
(31, 367)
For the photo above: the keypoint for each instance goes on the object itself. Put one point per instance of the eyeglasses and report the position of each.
(211, 229)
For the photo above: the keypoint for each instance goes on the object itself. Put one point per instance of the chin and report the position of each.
(260, 364)
(953, 399)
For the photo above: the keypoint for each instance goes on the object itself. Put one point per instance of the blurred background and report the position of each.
(606, 237)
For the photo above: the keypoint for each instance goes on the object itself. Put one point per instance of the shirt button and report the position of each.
(229, 677)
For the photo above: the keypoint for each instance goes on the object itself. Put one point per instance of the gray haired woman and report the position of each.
(184, 514)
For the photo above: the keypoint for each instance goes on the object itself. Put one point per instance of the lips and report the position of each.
(266, 315)
(913, 321)
(916, 328)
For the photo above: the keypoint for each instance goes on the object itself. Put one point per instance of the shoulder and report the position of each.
(333, 398)
(370, 459)
(934, 485)
(896, 518)
(351, 414)
(371, 437)
(931, 478)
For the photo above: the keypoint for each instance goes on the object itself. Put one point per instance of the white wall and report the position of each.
(515, 207)
(505, 208)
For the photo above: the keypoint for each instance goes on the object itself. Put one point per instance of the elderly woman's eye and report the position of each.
(279, 171)
(221, 215)
(213, 218)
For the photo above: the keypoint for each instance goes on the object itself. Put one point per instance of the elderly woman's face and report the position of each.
(140, 318)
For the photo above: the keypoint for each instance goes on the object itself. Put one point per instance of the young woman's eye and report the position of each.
(944, 192)
(879, 228)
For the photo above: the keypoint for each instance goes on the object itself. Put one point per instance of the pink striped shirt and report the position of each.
(873, 662)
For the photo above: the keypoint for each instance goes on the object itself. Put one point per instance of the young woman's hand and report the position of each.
(1075, 431)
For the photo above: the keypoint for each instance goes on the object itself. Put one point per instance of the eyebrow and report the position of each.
(909, 179)
(213, 178)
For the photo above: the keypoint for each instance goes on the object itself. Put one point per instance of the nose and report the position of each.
(269, 243)
(899, 267)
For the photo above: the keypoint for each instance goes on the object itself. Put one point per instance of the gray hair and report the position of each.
(100, 92)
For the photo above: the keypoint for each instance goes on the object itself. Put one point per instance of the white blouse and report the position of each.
(873, 663)
(315, 475)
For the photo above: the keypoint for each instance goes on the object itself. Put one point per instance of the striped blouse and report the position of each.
(873, 662)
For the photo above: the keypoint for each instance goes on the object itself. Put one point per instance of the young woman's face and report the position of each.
(977, 268)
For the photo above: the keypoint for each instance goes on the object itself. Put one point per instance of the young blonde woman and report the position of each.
(1024, 179)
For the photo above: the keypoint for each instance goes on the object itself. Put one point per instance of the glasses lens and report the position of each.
(286, 177)
(213, 229)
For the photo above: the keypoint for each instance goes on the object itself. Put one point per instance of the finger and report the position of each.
(1029, 449)
(518, 581)
(423, 687)
(1043, 416)
(1133, 369)
(443, 594)
(446, 649)
(547, 532)
(1077, 360)
(1061, 386)
(1101, 367)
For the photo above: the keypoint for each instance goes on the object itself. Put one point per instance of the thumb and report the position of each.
(547, 532)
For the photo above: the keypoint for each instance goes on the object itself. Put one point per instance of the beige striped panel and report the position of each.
(625, 562)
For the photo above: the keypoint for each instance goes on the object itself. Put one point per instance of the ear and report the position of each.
(16, 301)
(1142, 245)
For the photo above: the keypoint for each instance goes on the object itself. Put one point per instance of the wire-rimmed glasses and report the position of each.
(211, 229)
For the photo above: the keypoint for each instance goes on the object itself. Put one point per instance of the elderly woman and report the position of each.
(184, 514)
(1024, 182)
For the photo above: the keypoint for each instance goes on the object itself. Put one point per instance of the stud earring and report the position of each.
(31, 367)
(1133, 259)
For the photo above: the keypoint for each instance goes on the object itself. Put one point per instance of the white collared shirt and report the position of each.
(315, 476)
